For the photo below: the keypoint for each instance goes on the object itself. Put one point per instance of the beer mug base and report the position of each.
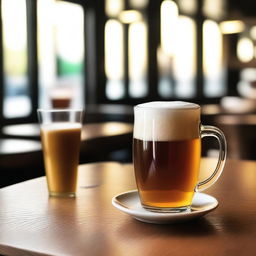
(62, 194)
(167, 209)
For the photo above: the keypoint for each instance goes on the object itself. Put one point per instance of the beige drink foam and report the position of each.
(166, 121)
(60, 126)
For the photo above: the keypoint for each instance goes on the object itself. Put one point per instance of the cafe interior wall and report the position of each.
(124, 52)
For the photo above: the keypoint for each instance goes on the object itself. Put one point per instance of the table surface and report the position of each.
(19, 153)
(34, 224)
(89, 131)
(16, 146)
(235, 108)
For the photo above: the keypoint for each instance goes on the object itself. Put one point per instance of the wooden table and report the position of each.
(89, 131)
(31, 223)
(212, 111)
(97, 139)
(18, 160)
(18, 152)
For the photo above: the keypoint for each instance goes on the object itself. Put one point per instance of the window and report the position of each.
(16, 91)
(214, 71)
(177, 53)
(126, 50)
(61, 53)
(138, 60)
(114, 59)
(112, 51)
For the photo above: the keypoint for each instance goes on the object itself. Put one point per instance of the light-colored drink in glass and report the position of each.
(61, 147)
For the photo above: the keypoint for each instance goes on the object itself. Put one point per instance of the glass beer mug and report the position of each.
(167, 153)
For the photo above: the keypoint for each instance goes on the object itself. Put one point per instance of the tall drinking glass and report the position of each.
(60, 137)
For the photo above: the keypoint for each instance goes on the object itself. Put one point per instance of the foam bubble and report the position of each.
(168, 104)
(166, 120)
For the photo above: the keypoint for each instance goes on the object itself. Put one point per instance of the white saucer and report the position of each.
(129, 202)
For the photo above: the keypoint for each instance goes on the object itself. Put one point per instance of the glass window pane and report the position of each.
(138, 59)
(184, 60)
(114, 60)
(165, 85)
(16, 91)
(165, 53)
(61, 53)
(177, 55)
(169, 22)
(213, 68)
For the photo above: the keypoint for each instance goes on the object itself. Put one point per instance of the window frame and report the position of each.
(95, 81)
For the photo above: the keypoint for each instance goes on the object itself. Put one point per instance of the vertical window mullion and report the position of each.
(16, 101)
(1, 68)
(153, 13)
(32, 55)
(199, 50)
(126, 62)
(100, 56)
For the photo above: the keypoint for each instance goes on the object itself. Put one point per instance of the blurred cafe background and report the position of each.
(108, 55)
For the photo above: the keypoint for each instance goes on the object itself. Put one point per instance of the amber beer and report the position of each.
(166, 171)
(60, 102)
(61, 145)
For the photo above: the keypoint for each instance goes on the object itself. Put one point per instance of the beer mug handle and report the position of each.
(218, 134)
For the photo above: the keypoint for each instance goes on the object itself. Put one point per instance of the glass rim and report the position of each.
(162, 105)
(52, 110)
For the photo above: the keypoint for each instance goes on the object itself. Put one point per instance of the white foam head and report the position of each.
(166, 120)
